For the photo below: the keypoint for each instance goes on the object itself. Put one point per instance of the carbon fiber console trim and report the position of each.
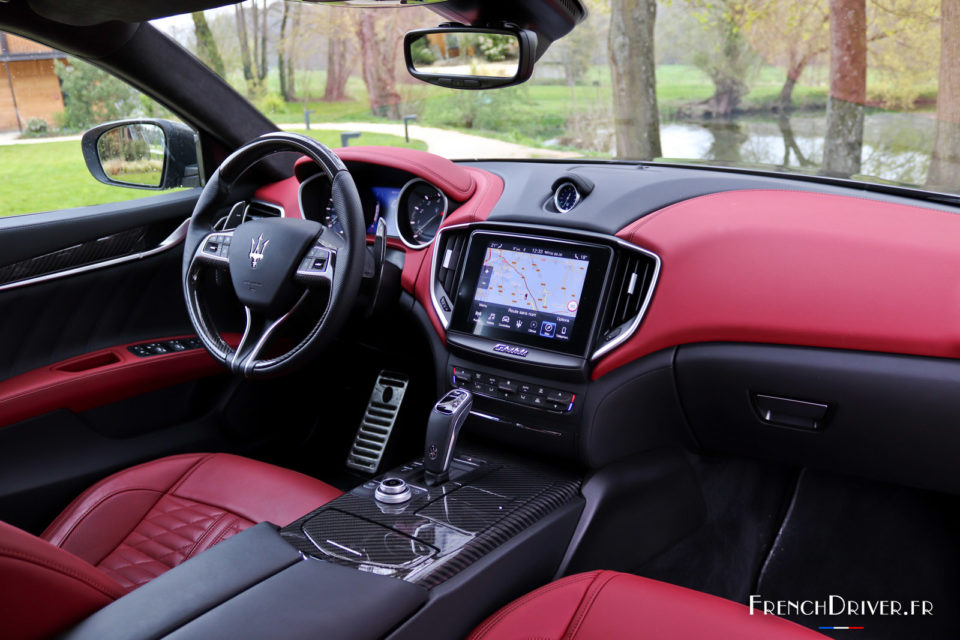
(441, 530)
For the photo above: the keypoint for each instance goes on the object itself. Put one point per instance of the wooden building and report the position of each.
(29, 87)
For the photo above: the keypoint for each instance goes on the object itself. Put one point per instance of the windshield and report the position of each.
(836, 87)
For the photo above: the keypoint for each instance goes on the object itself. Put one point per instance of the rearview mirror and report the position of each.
(470, 58)
(142, 154)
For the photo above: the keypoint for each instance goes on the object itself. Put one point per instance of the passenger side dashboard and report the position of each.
(749, 262)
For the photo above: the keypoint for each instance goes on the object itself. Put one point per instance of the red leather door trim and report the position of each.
(99, 378)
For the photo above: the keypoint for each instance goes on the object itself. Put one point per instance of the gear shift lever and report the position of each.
(447, 417)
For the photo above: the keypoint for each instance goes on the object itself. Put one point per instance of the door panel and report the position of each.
(75, 402)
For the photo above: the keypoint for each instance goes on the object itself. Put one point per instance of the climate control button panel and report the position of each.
(518, 392)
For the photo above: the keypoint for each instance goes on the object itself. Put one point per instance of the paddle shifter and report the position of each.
(447, 417)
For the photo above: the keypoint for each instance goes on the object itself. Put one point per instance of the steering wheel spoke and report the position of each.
(214, 249)
(257, 331)
(317, 267)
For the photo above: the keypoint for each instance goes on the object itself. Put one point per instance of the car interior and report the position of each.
(265, 405)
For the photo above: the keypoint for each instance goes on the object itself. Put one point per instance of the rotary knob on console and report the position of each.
(392, 491)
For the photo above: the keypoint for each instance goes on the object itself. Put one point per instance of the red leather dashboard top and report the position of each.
(800, 268)
(763, 266)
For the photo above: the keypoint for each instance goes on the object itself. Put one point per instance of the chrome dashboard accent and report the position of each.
(446, 210)
(441, 314)
(176, 237)
(262, 203)
(300, 192)
(556, 197)
(635, 323)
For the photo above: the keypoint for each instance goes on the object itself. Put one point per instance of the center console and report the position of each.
(527, 312)
(439, 530)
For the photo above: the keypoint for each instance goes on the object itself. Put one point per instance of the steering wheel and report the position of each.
(274, 263)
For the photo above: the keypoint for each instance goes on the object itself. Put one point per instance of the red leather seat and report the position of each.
(133, 526)
(606, 605)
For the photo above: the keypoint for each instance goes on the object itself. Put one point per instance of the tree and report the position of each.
(340, 56)
(207, 49)
(92, 96)
(281, 54)
(724, 54)
(252, 35)
(243, 38)
(633, 70)
(379, 44)
(793, 33)
(848, 87)
(945, 161)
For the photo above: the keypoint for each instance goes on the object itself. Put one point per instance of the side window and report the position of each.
(47, 100)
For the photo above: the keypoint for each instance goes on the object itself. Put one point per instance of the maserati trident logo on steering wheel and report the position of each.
(257, 247)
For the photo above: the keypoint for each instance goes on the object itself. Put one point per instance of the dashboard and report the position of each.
(412, 212)
(587, 324)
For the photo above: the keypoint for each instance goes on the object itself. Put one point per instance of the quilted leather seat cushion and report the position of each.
(606, 605)
(143, 521)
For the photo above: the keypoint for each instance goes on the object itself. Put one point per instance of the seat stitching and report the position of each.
(223, 533)
(52, 564)
(101, 501)
(586, 604)
(206, 532)
(487, 626)
(189, 472)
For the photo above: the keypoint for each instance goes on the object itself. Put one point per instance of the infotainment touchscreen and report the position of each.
(531, 291)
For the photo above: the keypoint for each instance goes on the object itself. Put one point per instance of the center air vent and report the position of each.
(447, 258)
(634, 277)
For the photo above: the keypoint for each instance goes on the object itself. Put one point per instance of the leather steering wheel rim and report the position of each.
(344, 257)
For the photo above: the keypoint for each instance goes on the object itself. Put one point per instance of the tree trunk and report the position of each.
(262, 73)
(339, 67)
(633, 68)
(848, 87)
(945, 162)
(294, 37)
(785, 101)
(794, 71)
(379, 63)
(244, 44)
(281, 52)
(206, 46)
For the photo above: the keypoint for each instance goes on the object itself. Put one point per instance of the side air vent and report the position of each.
(378, 420)
(450, 250)
(634, 277)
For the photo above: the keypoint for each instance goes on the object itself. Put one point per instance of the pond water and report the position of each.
(896, 146)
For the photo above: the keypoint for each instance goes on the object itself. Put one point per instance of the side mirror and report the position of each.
(470, 58)
(143, 154)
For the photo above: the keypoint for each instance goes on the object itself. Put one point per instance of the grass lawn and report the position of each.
(532, 113)
(53, 175)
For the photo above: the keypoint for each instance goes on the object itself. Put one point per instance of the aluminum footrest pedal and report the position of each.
(378, 420)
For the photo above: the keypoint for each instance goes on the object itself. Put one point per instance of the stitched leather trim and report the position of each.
(498, 617)
(58, 568)
(593, 592)
(69, 512)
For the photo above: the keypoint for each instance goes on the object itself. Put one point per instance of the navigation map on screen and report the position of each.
(531, 290)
